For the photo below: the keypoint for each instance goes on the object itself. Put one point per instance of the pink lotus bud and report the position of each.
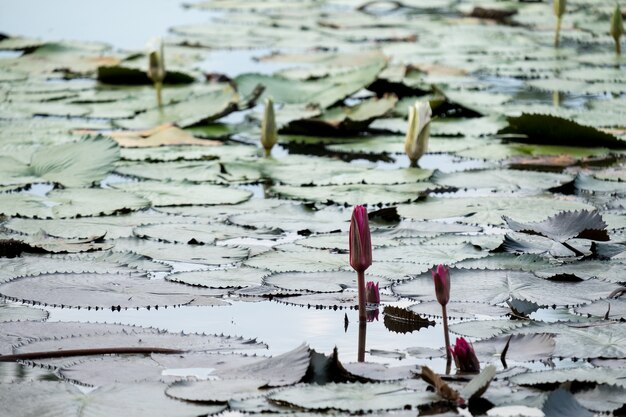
(441, 276)
(464, 356)
(360, 240)
(372, 295)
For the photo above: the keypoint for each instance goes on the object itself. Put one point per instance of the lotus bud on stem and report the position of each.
(559, 11)
(360, 252)
(418, 131)
(269, 135)
(156, 67)
(441, 278)
(464, 356)
(617, 28)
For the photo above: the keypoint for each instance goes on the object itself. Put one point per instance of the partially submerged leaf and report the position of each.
(546, 129)
(565, 225)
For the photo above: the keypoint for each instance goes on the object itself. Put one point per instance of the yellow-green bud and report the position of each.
(418, 131)
(156, 61)
(269, 135)
(559, 7)
(617, 24)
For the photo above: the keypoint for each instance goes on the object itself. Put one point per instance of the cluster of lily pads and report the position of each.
(113, 200)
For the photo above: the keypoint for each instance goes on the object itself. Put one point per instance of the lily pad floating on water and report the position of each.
(56, 399)
(13, 312)
(239, 277)
(220, 391)
(460, 310)
(502, 179)
(370, 194)
(334, 281)
(184, 193)
(70, 202)
(214, 104)
(552, 130)
(196, 254)
(294, 218)
(77, 164)
(105, 291)
(298, 261)
(495, 287)
(563, 226)
(354, 397)
(489, 210)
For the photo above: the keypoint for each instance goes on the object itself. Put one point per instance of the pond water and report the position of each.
(115, 205)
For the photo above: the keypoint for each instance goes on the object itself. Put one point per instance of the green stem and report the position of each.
(618, 46)
(158, 86)
(268, 152)
(361, 283)
(85, 352)
(558, 32)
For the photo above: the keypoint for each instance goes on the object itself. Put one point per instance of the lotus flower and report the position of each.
(441, 276)
(372, 295)
(617, 28)
(360, 252)
(559, 11)
(360, 240)
(418, 132)
(156, 66)
(464, 356)
(269, 135)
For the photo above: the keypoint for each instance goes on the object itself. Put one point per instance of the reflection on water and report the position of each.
(282, 327)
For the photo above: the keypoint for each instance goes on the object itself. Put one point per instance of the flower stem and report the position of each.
(558, 32)
(618, 47)
(361, 283)
(158, 86)
(446, 334)
(362, 335)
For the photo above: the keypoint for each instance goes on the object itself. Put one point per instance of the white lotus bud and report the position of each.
(418, 132)
(156, 66)
(617, 27)
(156, 60)
(269, 135)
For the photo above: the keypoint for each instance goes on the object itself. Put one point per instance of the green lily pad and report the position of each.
(77, 164)
(489, 210)
(552, 130)
(495, 287)
(221, 278)
(106, 291)
(354, 397)
(63, 399)
(184, 193)
(302, 261)
(71, 202)
(215, 104)
(13, 312)
(334, 281)
(370, 194)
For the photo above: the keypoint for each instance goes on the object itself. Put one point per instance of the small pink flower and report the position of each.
(372, 295)
(464, 356)
(441, 276)
(360, 240)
